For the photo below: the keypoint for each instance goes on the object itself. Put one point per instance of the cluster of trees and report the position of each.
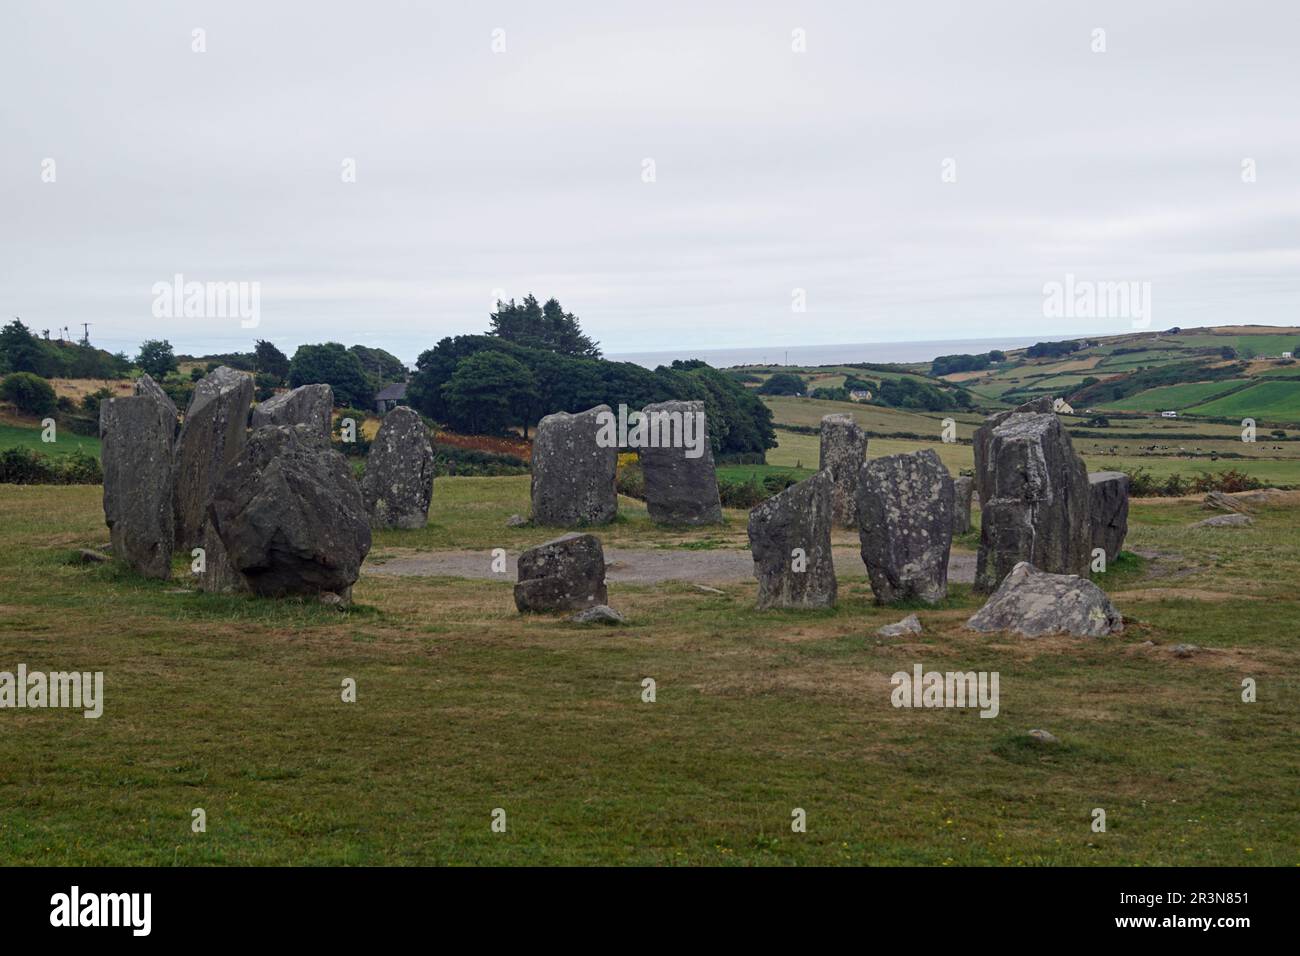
(22, 351)
(913, 393)
(1054, 349)
(488, 384)
(948, 364)
(782, 383)
(547, 327)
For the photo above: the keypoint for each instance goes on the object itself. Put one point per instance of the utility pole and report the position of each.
(85, 339)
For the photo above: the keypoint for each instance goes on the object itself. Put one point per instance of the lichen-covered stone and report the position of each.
(136, 435)
(398, 484)
(290, 514)
(963, 489)
(679, 489)
(796, 520)
(1108, 511)
(566, 574)
(1034, 603)
(573, 472)
(310, 405)
(843, 450)
(1034, 498)
(905, 505)
(212, 435)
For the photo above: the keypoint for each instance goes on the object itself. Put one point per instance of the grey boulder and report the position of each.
(1034, 498)
(310, 405)
(290, 515)
(843, 449)
(908, 625)
(790, 537)
(1226, 521)
(566, 574)
(1108, 511)
(398, 484)
(679, 489)
(1034, 603)
(599, 614)
(212, 435)
(573, 470)
(963, 489)
(137, 434)
(905, 505)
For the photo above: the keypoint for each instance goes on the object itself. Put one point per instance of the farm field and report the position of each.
(1175, 397)
(1277, 401)
(232, 703)
(28, 436)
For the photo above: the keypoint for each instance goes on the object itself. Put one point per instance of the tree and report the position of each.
(546, 327)
(269, 360)
(156, 358)
(384, 368)
(782, 383)
(21, 350)
(489, 392)
(29, 393)
(336, 367)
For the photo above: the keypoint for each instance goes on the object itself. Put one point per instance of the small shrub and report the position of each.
(29, 393)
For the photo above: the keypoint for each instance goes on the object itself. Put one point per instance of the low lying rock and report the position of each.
(599, 614)
(1041, 736)
(88, 556)
(1219, 501)
(1184, 650)
(1226, 521)
(1034, 603)
(908, 625)
(516, 521)
(566, 574)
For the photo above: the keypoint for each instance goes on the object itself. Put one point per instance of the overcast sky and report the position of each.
(524, 170)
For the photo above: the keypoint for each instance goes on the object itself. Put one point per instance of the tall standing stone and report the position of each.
(146, 386)
(905, 505)
(1108, 511)
(290, 516)
(681, 484)
(790, 537)
(843, 450)
(212, 435)
(1034, 494)
(574, 468)
(398, 484)
(310, 405)
(137, 435)
(962, 490)
(566, 574)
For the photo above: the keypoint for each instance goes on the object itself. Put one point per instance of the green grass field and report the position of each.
(1276, 401)
(1175, 397)
(232, 704)
(14, 436)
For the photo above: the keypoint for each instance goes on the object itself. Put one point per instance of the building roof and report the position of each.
(390, 393)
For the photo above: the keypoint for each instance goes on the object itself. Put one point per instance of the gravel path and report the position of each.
(633, 565)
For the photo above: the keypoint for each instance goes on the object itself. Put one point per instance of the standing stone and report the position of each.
(905, 505)
(213, 433)
(398, 483)
(573, 471)
(145, 385)
(566, 574)
(843, 450)
(1034, 603)
(962, 490)
(137, 435)
(1108, 511)
(797, 518)
(311, 405)
(290, 515)
(1034, 498)
(679, 489)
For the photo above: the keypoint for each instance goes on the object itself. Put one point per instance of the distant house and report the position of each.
(1287, 355)
(860, 395)
(389, 397)
(1168, 414)
(1062, 407)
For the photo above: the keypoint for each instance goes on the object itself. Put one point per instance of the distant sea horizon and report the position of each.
(879, 353)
